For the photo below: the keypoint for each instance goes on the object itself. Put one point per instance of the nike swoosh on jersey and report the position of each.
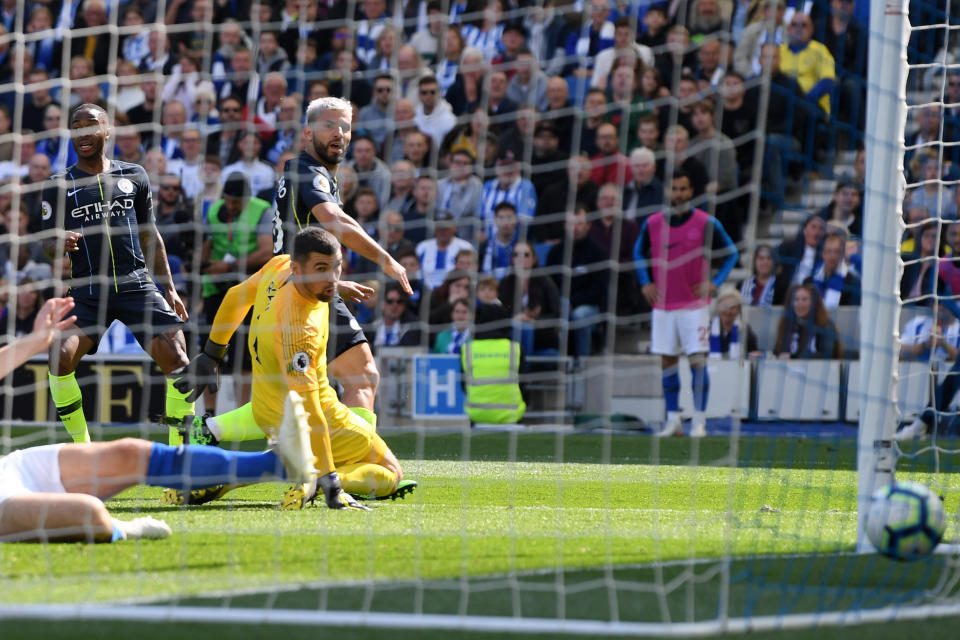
(70, 193)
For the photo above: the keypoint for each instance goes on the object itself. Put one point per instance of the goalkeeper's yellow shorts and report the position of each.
(356, 442)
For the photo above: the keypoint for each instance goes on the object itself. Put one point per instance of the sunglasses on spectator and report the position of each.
(384, 89)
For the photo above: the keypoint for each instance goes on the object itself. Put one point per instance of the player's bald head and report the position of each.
(89, 111)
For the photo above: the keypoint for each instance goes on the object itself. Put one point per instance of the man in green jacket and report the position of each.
(238, 241)
(491, 366)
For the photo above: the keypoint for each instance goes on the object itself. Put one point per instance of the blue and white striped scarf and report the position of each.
(716, 350)
(831, 289)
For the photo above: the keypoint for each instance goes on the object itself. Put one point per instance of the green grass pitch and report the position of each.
(587, 527)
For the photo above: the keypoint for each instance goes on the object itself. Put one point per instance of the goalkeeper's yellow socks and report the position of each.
(177, 408)
(367, 415)
(367, 479)
(69, 403)
(236, 425)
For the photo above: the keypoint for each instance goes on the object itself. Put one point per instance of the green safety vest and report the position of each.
(242, 243)
(491, 370)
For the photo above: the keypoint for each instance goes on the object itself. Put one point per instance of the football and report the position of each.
(905, 521)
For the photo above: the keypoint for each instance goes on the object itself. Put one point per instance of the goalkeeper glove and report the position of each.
(203, 371)
(334, 494)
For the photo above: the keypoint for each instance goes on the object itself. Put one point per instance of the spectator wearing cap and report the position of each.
(728, 336)
(438, 254)
(513, 41)
(238, 241)
(609, 165)
(261, 175)
(548, 162)
(459, 192)
(624, 46)
(529, 84)
(496, 251)
(434, 116)
(508, 186)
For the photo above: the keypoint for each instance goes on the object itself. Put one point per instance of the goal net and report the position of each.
(802, 155)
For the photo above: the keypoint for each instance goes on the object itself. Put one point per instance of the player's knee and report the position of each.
(127, 456)
(93, 516)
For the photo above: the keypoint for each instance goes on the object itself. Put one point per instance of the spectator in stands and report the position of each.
(371, 171)
(286, 138)
(408, 259)
(467, 261)
(496, 251)
(486, 33)
(593, 36)
(36, 101)
(655, 23)
(769, 29)
(434, 115)
(548, 162)
(610, 166)
(274, 89)
(798, 258)
(617, 236)
(241, 81)
(398, 326)
(427, 41)
(239, 240)
(558, 101)
(158, 57)
(625, 48)
(143, 114)
(128, 145)
(805, 330)
(931, 193)
(20, 256)
(498, 103)
(594, 115)
(438, 254)
(174, 219)
(922, 282)
(459, 192)
(38, 171)
(47, 52)
(455, 286)
(643, 194)
(173, 118)
(448, 66)
(421, 208)
(366, 209)
(760, 288)
(417, 149)
(410, 69)
(914, 217)
(676, 142)
(385, 46)
(529, 84)
(508, 186)
(922, 340)
(403, 175)
(586, 289)
(739, 119)
(728, 336)
(518, 135)
(486, 290)
(29, 300)
(392, 234)
(678, 58)
(837, 282)
(846, 40)
(270, 57)
(533, 302)
(375, 119)
(373, 22)
(705, 18)
(190, 166)
(155, 164)
(845, 209)
(211, 186)
(557, 198)
(717, 154)
(403, 125)
(185, 82)
(512, 41)
(808, 61)
(451, 340)
(347, 79)
(260, 174)
(466, 92)
(648, 134)
(95, 46)
(711, 66)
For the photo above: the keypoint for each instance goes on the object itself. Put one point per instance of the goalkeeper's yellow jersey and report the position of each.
(288, 345)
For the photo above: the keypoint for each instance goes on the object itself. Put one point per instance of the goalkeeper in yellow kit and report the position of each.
(288, 339)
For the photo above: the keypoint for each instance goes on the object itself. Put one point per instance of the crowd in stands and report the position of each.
(501, 149)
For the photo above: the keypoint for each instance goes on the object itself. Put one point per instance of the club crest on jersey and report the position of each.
(46, 211)
(300, 361)
(125, 185)
(320, 183)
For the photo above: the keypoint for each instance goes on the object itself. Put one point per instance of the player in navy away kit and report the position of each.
(103, 211)
(307, 194)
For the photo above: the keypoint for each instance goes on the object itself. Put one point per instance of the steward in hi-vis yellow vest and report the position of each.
(491, 371)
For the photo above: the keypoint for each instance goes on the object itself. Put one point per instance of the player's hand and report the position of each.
(71, 241)
(353, 291)
(335, 496)
(173, 299)
(396, 271)
(49, 323)
(651, 293)
(704, 290)
(203, 372)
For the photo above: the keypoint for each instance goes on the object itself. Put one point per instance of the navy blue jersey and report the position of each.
(107, 209)
(305, 183)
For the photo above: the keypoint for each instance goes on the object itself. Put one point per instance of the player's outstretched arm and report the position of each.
(352, 235)
(50, 321)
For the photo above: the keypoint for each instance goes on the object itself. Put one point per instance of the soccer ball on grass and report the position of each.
(905, 520)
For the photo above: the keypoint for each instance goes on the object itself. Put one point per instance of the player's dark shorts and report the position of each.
(144, 311)
(345, 331)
